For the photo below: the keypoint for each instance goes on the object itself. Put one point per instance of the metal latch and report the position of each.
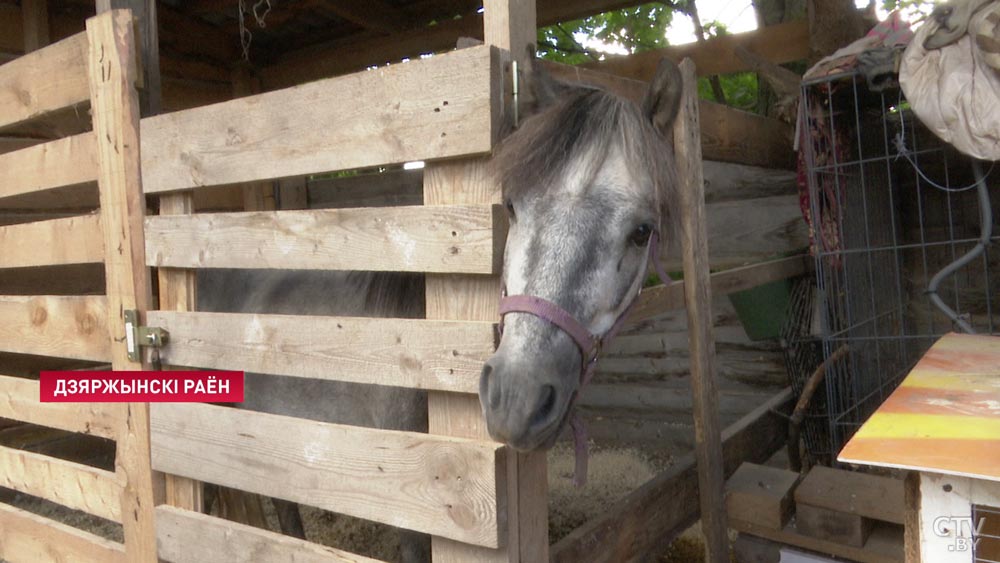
(137, 336)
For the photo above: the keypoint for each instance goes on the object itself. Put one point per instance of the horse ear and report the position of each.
(542, 89)
(663, 99)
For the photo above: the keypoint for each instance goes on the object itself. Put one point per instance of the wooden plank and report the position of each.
(437, 485)
(650, 517)
(731, 135)
(73, 240)
(727, 134)
(740, 232)
(698, 301)
(67, 327)
(761, 494)
(423, 354)
(112, 79)
(146, 49)
(662, 298)
(871, 496)
(19, 401)
(349, 122)
(885, 545)
(29, 538)
(831, 525)
(70, 484)
(781, 43)
(459, 238)
(44, 81)
(184, 536)
(64, 162)
(178, 292)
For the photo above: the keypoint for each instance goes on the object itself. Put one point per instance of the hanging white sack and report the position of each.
(953, 90)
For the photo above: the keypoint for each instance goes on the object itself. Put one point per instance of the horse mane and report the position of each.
(588, 121)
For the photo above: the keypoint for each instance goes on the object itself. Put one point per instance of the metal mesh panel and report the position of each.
(881, 231)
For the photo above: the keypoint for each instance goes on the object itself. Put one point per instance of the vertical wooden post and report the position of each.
(115, 108)
(510, 25)
(35, 20)
(144, 11)
(911, 518)
(698, 299)
(178, 292)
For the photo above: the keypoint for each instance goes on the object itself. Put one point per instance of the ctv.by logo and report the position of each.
(960, 530)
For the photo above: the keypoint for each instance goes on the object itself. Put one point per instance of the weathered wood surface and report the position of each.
(64, 162)
(661, 298)
(19, 401)
(649, 518)
(35, 19)
(884, 545)
(29, 538)
(781, 43)
(44, 81)
(67, 327)
(698, 303)
(349, 122)
(423, 354)
(871, 496)
(70, 484)
(831, 525)
(727, 134)
(113, 73)
(459, 238)
(434, 484)
(184, 536)
(761, 494)
(73, 240)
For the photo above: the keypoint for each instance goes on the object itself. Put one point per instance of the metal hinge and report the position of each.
(137, 336)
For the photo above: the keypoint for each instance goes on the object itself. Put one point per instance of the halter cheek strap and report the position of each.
(590, 345)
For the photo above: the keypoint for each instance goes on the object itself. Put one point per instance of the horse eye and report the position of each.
(640, 236)
(510, 207)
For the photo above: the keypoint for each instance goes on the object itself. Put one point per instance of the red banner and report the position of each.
(141, 387)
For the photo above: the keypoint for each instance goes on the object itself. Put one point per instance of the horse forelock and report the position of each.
(548, 147)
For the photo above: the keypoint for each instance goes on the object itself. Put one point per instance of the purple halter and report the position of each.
(590, 345)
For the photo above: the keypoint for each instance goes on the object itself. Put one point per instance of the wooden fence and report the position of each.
(95, 69)
(479, 501)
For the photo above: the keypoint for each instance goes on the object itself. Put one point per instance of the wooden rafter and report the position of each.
(372, 14)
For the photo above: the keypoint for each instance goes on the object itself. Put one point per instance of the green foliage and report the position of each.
(740, 90)
(636, 29)
(640, 29)
(912, 9)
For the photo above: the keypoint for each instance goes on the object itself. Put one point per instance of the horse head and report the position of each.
(588, 184)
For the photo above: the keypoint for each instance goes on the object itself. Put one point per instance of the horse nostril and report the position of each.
(490, 387)
(547, 404)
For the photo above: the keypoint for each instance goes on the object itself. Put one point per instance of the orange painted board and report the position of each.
(943, 418)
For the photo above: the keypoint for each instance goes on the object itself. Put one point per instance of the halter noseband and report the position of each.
(590, 345)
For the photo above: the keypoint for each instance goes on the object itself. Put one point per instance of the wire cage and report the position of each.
(889, 206)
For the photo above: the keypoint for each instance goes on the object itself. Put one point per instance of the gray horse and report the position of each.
(587, 179)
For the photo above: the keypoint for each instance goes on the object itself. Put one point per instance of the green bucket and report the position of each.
(762, 309)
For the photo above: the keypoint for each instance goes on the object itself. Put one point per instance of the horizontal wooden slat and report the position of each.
(781, 43)
(29, 538)
(442, 239)
(190, 537)
(70, 484)
(433, 108)
(63, 162)
(43, 81)
(423, 354)
(66, 327)
(662, 298)
(19, 401)
(434, 484)
(71, 240)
